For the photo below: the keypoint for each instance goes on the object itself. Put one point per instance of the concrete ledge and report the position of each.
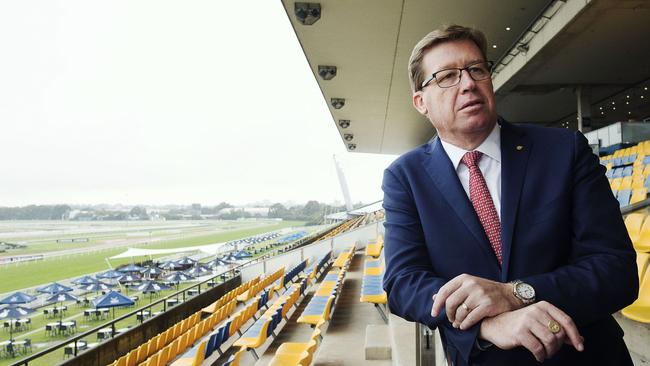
(637, 338)
(377, 344)
(402, 341)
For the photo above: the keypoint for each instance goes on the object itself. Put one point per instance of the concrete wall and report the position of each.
(109, 351)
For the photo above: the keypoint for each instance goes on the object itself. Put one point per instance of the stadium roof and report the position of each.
(550, 49)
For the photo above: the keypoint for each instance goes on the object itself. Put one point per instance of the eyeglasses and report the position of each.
(449, 77)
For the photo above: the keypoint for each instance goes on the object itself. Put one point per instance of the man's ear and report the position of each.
(418, 103)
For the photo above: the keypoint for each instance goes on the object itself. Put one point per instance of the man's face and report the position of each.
(463, 111)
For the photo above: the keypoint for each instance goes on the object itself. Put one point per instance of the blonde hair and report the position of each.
(444, 34)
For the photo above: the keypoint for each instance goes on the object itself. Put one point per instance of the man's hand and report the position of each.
(469, 299)
(529, 327)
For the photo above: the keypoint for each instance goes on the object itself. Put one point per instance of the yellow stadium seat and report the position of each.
(646, 170)
(633, 223)
(642, 244)
(640, 309)
(291, 359)
(637, 181)
(642, 260)
(616, 184)
(626, 183)
(638, 195)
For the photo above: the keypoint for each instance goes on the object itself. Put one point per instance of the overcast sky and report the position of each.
(154, 102)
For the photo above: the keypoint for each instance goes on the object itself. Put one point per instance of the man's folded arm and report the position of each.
(409, 279)
(601, 276)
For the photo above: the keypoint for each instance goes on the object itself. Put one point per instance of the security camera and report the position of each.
(327, 72)
(337, 103)
(348, 136)
(352, 146)
(307, 13)
(344, 123)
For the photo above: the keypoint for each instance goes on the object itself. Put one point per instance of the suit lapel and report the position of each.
(515, 150)
(441, 171)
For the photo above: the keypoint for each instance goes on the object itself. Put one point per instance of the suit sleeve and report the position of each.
(600, 277)
(409, 280)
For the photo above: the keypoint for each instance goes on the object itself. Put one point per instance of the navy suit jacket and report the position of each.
(561, 228)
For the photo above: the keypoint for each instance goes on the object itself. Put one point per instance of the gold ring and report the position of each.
(554, 327)
(464, 306)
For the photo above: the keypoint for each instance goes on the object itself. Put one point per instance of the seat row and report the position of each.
(259, 286)
(638, 227)
(315, 270)
(263, 328)
(372, 290)
(640, 310)
(290, 276)
(375, 249)
(230, 295)
(344, 258)
(298, 353)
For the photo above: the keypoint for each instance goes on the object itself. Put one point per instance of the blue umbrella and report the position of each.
(85, 280)
(17, 298)
(96, 286)
(110, 274)
(151, 272)
(197, 270)
(130, 268)
(60, 298)
(178, 277)
(171, 265)
(221, 261)
(186, 261)
(128, 278)
(54, 288)
(151, 287)
(14, 312)
(243, 254)
(112, 300)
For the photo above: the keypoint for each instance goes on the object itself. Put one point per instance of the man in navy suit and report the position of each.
(506, 238)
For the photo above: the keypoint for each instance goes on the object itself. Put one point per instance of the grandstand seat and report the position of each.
(616, 184)
(642, 244)
(235, 359)
(609, 173)
(317, 310)
(374, 249)
(623, 197)
(626, 183)
(646, 160)
(638, 182)
(292, 359)
(627, 171)
(640, 309)
(618, 173)
(194, 357)
(633, 223)
(642, 260)
(617, 161)
(638, 195)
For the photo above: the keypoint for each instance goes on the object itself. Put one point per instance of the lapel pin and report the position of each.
(520, 147)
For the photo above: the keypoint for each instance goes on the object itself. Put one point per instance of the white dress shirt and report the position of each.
(490, 164)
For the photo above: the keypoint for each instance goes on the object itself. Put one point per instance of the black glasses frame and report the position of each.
(426, 82)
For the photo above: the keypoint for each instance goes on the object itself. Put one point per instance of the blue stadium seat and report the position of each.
(609, 173)
(627, 171)
(623, 197)
(617, 161)
(618, 173)
(646, 160)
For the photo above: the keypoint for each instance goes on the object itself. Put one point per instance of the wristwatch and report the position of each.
(523, 291)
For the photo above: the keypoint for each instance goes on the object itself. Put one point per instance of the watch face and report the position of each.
(526, 291)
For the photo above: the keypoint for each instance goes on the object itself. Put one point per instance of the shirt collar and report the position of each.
(491, 147)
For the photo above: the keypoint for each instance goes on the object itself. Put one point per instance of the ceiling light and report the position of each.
(629, 112)
(344, 123)
(613, 108)
(307, 13)
(348, 136)
(602, 112)
(642, 97)
(507, 28)
(327, 72)
(337, 103)
(352, 146)
(601, 108)
(628, 97)
(613, 103)
(646, 88)
(627, 102)
(494, 46)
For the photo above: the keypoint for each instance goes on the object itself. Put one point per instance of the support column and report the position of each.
(584, 109)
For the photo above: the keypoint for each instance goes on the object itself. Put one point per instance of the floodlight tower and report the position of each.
(344, 185)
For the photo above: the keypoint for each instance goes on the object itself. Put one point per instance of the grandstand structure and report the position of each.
(566, 64)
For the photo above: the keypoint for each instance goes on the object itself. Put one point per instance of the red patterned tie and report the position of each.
(482, 202)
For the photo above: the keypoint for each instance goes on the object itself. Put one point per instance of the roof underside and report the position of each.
(602, 49)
